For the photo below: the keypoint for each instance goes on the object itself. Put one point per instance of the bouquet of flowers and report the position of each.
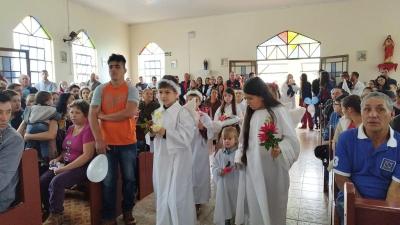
(267, 135)
(146, 125)
(157, 122)
(228, 168)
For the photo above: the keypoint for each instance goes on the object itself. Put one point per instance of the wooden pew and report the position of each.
(361, 211)
(145, 179)
(28, 210)
(95, 200)
(333, 189)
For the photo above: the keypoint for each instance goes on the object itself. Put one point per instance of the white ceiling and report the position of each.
(141, 11)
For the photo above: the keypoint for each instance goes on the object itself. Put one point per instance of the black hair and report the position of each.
(10, 93)
(345, 74)
(303, 80)
(82, 105)
(81, 91)
(352, 101)
(256, 86)
(4, 98)
(116, 58)
(356, 74)
(233, 103)
(42, 97)
(72, 87)
(62, 103)
(340, 98)
(389, 93)
(324, 81)
(162, 84)
(377, 83)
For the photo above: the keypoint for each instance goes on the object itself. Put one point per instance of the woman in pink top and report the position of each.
(78, 149)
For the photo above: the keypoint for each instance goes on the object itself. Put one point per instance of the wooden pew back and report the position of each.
(361, 211)
(28, 210)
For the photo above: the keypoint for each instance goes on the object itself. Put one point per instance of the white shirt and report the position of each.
(358, 88)
(46, 86)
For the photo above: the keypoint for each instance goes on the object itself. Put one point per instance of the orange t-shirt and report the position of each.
(114, 99)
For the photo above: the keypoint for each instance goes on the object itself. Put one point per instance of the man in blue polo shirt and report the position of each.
(369, 156)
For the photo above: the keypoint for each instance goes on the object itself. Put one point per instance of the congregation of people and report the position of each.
(183, 123)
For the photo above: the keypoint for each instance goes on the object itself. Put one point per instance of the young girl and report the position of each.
(84, 94)
(288, 91)
(264, 183)
(201, 160)
(173, 132)
(229, 113)
(226, 178)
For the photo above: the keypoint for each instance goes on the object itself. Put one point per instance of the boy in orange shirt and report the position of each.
(111, 119)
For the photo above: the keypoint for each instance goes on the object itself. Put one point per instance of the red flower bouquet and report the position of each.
(267, 135)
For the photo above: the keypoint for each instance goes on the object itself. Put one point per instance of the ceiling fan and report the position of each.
(71, 37)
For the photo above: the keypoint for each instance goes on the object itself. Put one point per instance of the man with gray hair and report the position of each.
(369, 156)
(27, 89)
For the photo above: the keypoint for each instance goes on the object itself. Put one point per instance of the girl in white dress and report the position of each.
(264, 179)
(288, 92)
(228, 114)
(201, 161)
(229, 108)
(173, 131)
(226, 178)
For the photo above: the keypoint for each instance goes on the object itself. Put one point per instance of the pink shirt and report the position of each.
(73, 145)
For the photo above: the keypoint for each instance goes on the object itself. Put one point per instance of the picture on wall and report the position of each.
(362, 55)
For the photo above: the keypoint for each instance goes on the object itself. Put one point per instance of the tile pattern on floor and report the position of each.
(307, 203)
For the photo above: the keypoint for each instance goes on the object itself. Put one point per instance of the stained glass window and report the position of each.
(30, 35)
(84, 57)
(288, 45)
(151, 62)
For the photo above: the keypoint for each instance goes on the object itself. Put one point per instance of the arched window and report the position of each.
(151, 62)
(30, 35)
(288, 45)
(288, 52)
(84, 57)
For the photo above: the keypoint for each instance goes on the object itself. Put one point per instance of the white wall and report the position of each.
(343, 27)
(108, 34)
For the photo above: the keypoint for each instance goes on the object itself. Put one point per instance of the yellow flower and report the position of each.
(157, 115)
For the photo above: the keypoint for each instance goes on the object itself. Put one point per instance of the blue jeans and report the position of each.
(43, 146)
(125, 156)
(340, 206)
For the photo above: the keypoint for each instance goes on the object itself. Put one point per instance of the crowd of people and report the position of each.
(183, 123)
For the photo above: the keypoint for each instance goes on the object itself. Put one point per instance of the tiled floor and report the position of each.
(307, 203)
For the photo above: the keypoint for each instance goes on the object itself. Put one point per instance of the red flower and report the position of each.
(266, 135)
(268, 127)
(263, 137)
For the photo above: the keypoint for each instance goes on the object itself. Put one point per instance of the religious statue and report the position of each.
(205, 64)
(389, 48)
(388, 64)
